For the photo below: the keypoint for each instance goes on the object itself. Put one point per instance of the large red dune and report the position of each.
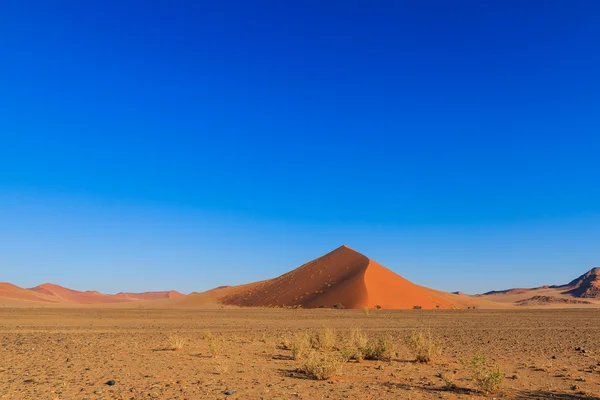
(348, 279)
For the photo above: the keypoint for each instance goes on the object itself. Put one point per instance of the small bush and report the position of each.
(338, 306)
(355, 344)
(381, 348)
(417, 307)
(424, 346)
(378, 307)
(321, 366)
(323, 339)
(175, 342)
(206, 335)
(487, 379)
(366, 311)
(300, 345)
(214, 347)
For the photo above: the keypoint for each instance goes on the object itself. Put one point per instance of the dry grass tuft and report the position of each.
(300, 345)
(354, 346)
(215, 345)
(206, 335)
(323, 339)
(175, 342)
(424, 346)
(321, 366)
(382, 348)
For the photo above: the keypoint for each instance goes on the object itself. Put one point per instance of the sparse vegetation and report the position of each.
(321, 366)
(424, 346)
(487, 379)
(300, 345)
(338, 306)
(366, 311)
(206, 335)
(175, 342)
(378, 307)
(215, 346)
(359, 347)
(417, 307)
(323, 339)
(381, 348)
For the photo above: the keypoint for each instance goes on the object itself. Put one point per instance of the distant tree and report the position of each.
(338, 306)
(378, 307)
(417, 307)
(321, 306)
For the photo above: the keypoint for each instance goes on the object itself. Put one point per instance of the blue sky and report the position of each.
(186, 145)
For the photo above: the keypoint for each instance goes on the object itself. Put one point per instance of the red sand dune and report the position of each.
(10, 291)
(346, 277)
(73, 296)
(57, 295)
(171, 294)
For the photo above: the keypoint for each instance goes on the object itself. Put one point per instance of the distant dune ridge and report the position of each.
(51, 293)
(342, 278)
(587, 287)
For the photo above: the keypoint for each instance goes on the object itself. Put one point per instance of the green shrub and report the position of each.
(487, 379)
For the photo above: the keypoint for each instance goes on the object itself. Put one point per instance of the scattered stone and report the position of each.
(229, 392)
(554, 357)
(111, 382)
(574, 387)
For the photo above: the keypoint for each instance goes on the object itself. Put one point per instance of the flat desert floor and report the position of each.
(242, 354)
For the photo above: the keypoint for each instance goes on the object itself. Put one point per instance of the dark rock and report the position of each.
(229, 392)
(111, 382)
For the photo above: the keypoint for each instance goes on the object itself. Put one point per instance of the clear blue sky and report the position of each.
(152, 145)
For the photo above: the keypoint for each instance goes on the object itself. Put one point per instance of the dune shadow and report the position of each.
(541, 395)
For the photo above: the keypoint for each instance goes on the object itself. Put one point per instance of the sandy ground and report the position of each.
(73, 353)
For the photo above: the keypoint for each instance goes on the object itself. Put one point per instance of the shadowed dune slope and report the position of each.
(586, 286)
(344, 277)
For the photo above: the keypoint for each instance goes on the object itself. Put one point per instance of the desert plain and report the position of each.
(228, 353)
(341, 326)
